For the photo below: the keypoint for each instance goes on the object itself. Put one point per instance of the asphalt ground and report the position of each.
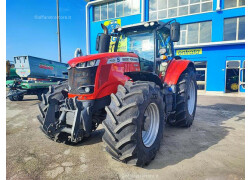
(213, 148)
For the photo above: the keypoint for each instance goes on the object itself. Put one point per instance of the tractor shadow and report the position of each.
(179, 144)
(95, 137)
(25, 100)
(207, 130)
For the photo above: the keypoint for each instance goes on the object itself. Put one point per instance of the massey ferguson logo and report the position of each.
(46, 66)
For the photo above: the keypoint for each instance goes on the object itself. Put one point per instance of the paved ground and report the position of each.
(213, 148)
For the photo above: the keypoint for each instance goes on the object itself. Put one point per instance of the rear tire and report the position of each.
(126, 136)
(186, 99)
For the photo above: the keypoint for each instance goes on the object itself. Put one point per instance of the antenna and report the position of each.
(58, 31)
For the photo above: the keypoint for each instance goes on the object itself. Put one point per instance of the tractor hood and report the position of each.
(75, 61)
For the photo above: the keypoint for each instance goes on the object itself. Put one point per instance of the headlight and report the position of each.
(162, 51)
(81, 65)
(152, 23)
(88, 64)
(91, 63)
(87, 89)
(146, 24)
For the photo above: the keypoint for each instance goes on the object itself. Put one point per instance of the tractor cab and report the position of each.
(151, 41)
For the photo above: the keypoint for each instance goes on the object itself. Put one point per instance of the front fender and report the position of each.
(144, 76)
(175, 69)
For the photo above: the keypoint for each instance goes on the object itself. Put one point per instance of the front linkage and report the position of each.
(66, 119)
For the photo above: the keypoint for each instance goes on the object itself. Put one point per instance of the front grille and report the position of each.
(82, 77)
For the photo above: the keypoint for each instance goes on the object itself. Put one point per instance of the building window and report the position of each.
(234, 29)
(97, 15)
(195, 33)
(116, 9)
(162, 9)
(233, 3)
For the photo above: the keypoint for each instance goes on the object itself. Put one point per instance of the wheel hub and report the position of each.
(191, 97)
(151, 124)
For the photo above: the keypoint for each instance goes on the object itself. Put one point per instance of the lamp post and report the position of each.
(58, 31)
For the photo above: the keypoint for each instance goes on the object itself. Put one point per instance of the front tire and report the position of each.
(134, 123)
(57, 92)
(40, 94)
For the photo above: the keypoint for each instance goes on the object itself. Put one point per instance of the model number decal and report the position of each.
(122, 59)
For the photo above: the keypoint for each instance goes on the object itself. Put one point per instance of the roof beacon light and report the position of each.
(152, 23)
(146, 24)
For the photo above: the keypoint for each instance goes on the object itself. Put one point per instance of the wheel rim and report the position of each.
(191, 97)
(151, 124)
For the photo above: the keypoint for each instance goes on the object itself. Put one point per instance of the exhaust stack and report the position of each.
(103, 41)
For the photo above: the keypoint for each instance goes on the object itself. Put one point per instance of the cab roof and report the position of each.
(150, 25)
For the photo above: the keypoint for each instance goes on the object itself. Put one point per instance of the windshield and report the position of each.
(142, 44)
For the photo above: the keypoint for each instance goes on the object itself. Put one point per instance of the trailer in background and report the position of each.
(35, 75)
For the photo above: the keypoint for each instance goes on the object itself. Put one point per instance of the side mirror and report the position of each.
(175, 31)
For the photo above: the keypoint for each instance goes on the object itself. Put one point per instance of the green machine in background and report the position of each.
(32, 76)
(10, 73)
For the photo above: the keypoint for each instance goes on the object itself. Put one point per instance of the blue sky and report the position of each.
(31, 28)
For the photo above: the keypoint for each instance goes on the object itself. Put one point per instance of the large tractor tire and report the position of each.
(186, 99)
(58, 92)
(134, 123)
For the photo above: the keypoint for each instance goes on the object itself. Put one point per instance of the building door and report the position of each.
(242, 77)
(201, 75)
(232, 76)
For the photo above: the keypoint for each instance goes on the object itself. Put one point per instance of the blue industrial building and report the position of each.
(212, 34)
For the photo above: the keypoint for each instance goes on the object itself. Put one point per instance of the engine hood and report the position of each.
(75, 61)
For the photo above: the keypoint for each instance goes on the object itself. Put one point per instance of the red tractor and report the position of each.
(132, 87)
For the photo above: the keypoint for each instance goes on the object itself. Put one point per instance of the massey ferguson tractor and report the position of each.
(132, 87)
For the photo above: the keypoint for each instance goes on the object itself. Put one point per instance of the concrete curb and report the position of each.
(214, 93)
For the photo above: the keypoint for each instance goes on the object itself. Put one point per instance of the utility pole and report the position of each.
(58, 31)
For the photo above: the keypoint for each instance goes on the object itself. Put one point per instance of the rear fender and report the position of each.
(145, 76)
(175, 69)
